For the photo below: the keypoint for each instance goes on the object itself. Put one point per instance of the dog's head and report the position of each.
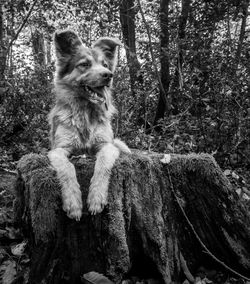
(89, 71)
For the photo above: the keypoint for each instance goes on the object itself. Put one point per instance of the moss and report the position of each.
(238, 249)
(30, 162)
(42, 194)
(45, 202)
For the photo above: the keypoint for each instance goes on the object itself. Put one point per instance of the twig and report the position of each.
(246, 191)
(7, 170)
(22, 25)
(197, 236)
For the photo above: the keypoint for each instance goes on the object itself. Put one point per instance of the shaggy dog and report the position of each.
(81, 117)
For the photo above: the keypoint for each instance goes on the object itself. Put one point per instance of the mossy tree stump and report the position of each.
(142, 231)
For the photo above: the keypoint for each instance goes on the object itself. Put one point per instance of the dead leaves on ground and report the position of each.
(239, 182)
(14, 263)
(14, 260)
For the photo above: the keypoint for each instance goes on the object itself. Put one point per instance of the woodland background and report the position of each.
(182, 85)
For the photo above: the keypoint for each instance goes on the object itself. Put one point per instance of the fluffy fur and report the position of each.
(81, 118)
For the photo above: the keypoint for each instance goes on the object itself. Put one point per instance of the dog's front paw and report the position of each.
(72, 204)
(96, 201)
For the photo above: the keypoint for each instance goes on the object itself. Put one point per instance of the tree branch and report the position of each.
(22, 25)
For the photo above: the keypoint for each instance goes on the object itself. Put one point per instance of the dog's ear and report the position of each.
(66, 43)
(109, 47)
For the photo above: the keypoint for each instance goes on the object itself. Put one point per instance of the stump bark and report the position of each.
(143, 230)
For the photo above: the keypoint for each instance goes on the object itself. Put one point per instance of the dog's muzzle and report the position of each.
(97, 95)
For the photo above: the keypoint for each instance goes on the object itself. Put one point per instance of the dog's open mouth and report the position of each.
(96, 94)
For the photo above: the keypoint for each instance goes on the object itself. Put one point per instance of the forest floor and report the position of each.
(14, 248)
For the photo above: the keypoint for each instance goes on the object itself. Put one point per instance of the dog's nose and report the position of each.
(107, 75)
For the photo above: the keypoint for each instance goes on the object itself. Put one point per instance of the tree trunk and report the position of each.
(3, 47)
(48, 52)
(242, 33)
(3, 55)
(38, 48)
(127, 19)
(164, 58)
(143, 230)
(178, 80)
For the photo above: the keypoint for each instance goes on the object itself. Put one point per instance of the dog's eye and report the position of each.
(105, 64)
(84, 64)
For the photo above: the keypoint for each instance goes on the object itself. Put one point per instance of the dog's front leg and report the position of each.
(71, 194)
(98, 191)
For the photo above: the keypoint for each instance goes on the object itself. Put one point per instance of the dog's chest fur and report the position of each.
(86, 118)
(87, 124)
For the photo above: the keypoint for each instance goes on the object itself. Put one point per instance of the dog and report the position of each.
(81, 117)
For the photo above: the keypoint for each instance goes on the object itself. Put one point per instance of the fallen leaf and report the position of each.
(208, 281)
(238, 190)
(18, 249)
(234, 175)
(198, 281)
(166, 159)
(3, 233)
(13, 233)
(8, 272)
(25, 261)
(95, 278)
(205, 280)
(227, 172)
(2, 254)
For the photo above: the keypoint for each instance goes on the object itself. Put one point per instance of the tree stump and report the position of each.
(142, 231)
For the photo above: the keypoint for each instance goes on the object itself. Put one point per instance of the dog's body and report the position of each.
(81, 118)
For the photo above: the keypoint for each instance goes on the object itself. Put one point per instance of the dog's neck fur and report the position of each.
(81, 108)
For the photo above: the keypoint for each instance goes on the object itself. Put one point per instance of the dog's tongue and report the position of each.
(105, 93)
(98, 94)
(100, 91)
